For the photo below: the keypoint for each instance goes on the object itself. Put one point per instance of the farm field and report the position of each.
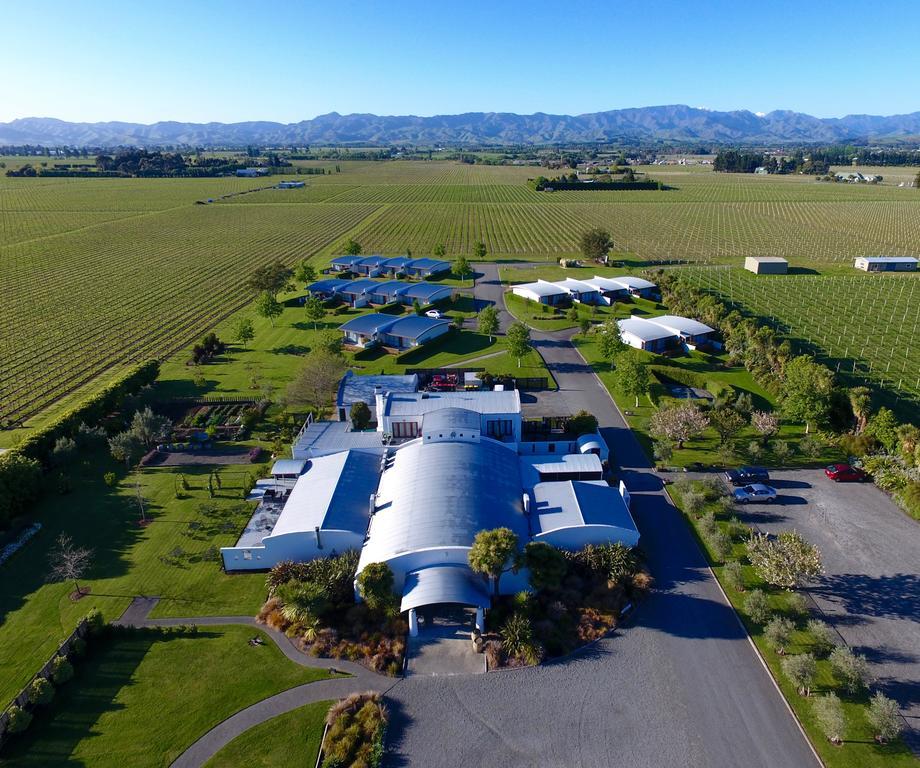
(863, 326)
(97, 273)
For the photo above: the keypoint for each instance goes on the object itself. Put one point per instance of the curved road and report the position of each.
(682, 686)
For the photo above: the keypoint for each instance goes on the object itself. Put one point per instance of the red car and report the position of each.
(844, 473)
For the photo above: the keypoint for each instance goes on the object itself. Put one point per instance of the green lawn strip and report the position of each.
(704, 448)
(142, 698)
(511, 275)
(289, 739)
(859, 748)
(168, 558)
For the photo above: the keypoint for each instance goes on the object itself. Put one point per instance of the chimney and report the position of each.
(319, 542)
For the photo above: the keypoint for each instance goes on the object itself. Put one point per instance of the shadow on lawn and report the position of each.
(70, 718)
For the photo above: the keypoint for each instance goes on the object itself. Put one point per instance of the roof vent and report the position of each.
(424, 395)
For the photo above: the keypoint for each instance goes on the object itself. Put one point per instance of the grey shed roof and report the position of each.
(643, 329)
(372, 261)
(635, 283)
(368, 324)
(334, 494)
(331, 285)
(389, 288)
(289, 466)
(361, 389)
(357, 287)
(397, 262)
(419, 403)
(889, 259)
(541, 288)
(412, 327)
(426, 292)
(325, 437)
(451, 419)
(440, 584)
(441, 495)
(575, 503)
(684, 325)
(430, 264)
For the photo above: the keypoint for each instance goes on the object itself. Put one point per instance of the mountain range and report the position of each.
(676, 123)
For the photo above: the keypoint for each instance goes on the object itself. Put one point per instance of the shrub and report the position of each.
(94, 621)
(78, 647)
(850, 669)
(797, 604)
(110, 479)
(782, 451)
(40, 691)
(777, 633)
(720, 544)
(823, 640)
(811, 446)
(612, 562)
(376, 584)
(734, 575)
(518, 639)
(547, 565)
(757, 607)
(882, 714)
(829, 714)
(784, 561)
(582, 423)
(19, 719)
(61, 670)
(800, 670)
(694, 501)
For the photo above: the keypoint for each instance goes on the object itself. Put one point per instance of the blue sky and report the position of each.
(204, 60)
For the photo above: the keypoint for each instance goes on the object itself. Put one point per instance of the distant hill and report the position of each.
(674, 123)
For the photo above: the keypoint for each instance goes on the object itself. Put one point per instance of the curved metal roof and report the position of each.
(441, 494)
(368, 324)
(644, 329)
(413, 327)
(440, 584)
(450, 420)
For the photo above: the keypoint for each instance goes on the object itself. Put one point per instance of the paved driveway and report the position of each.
(871, 589)
(681, 687)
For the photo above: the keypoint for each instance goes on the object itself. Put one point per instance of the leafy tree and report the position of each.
(546, 564)
(439, 251)
(40, 691)
(678, 423)
(883, 426)
(315, 309)
(150, 427)
(305, 272)
(267, 306)
(330, 343)
(734, 575)
(317, 380)
(884, 718)
(244, 331)
(609, 342)
(69, 562)
(375, 583)
(632, 378)
(461, 267)
(727, 423)
(582, 423)
(860, 402)
(584, 325)
(596, 244)
(785, 561)
(126, 446)
(766, 423)
(829, 714)
(572, 314)
(493, 552)
(64, 451)
(663, 450)
(823, 640)
(518, 337)
(757, 607)
(777, 633)
(352, 247)
(801, 670)
(479, 250)
(270, 278)
(807, 391)
(488, 321)
(18, 719)
(851, 669)
(360, 415)
(61, 670)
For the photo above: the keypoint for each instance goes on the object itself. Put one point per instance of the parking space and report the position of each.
(870, 591)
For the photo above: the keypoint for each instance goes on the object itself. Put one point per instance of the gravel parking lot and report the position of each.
(870, 591)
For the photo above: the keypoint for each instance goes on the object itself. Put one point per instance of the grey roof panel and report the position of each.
(412, 327)
(419, 403)
(575, 503)
(355, 389)
(440, 584)
(368, 324)
(451, 419)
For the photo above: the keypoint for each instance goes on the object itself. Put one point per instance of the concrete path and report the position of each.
(360, 679)
(443, 650)
(682, 687)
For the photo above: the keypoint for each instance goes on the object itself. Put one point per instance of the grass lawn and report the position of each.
(703, 449)
(289, 739)
(140, 699)
(169, 557)
(859, 749)
(511, 275)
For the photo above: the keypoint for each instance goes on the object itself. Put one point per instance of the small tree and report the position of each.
(786, 561)
(314, 309)
(375, 583)
(823, 640)
(61, 670)
(884, 718)
(609, 342)
(777, 633)
(19, 719)
(800, 669)
(479, 250)
(518, 341)
(244, 331)
(596, 244)
(416, 307)
(270, 278)
(267, 306)
(461, 267)
(766, 423)
(40, 691)
(573, 314)
(584, 325)
(150, 427)
(734, 575)
(757, 607)
(546, 564)
(126, 447)
(663, 450)
(317, 380)
(488, 322)
(305, 272)
(807, 390)
(439, 251)
(360, 415)
(727, 423)
(850, 669)
(493, 552)
(829, 714)
(352, 247)
(678, 423)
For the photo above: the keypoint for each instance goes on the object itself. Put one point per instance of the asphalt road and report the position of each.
(870, 591)
(680, 686)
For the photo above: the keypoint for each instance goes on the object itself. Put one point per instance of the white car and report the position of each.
(755, 492)
(435, 314)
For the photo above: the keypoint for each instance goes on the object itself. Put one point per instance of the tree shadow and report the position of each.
(291, 349)
(891, 597)
(400, 721)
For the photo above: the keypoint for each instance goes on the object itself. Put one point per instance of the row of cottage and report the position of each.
(361, 292)
(596, 290)
(390, 266)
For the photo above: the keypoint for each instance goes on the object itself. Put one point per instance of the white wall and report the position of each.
(299, 547)
(576, 537)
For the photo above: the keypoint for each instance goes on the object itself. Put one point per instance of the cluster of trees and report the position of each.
(207, 349)
(736, 161)
(145, 430)
(850, 155)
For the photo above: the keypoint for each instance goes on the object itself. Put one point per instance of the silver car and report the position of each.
(755, 492)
